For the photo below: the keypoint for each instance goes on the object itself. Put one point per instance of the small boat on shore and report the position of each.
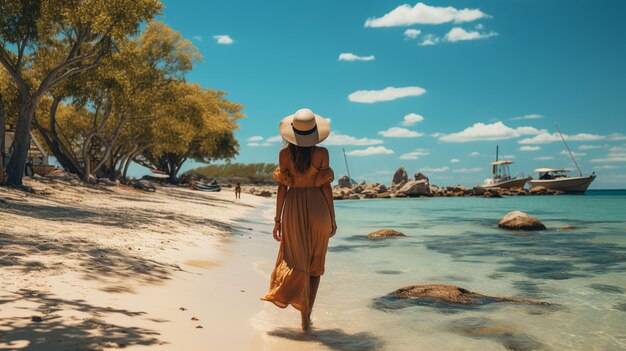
(558, 179)
(207, 187)
(502, 176)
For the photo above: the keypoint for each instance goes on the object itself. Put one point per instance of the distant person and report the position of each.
(238, 191)
(305, 214)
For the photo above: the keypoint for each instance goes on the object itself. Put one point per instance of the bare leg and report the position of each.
(314, 283)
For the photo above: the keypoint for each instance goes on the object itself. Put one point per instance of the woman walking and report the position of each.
(305, 214)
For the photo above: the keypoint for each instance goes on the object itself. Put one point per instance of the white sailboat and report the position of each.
(558, 179)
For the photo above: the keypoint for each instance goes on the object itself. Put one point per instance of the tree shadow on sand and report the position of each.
(101, 264)
(335, 339)
(53, 332)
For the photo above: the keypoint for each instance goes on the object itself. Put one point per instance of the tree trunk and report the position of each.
(2, 131)
(21, 144)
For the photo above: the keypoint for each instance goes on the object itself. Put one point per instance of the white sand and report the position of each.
(109, 268)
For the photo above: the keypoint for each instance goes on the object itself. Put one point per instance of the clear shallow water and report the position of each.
(581, 272)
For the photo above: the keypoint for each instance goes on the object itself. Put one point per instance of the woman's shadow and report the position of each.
(335, 339)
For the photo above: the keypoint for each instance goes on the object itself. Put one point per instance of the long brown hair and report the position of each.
(300, 157)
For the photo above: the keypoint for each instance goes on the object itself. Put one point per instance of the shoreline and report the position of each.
(108, 268)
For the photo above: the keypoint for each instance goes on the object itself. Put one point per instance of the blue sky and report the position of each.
(496, 73)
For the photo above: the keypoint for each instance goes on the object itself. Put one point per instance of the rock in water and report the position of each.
(415, 188)
(479, 190)
(344, 182)
(399, 177)
(454, 295)
(517, 220)
(384, 233)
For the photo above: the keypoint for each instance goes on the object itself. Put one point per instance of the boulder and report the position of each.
(383, 196)
(344, 182)
(479, 190)
(399, 177)
(401, 195)
(538, 190)
(421, 176)
(264, 193)
(377, 187)
(352, 197)
(454, 295)
(384, 233)
(358, 189)
(517, 220)
(568, 227)
(415, 188)
(492, 195)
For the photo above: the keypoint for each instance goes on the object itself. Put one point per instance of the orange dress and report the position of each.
(305, 229)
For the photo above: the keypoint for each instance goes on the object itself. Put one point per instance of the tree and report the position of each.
(109, 105)
(2, 122)
(72, 36)
(200, 127)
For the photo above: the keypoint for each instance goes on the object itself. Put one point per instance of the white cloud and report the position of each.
(479, 26)
(455, 160)
(387, 94)
(494, 131)
(459, 34)
(607, 167)
(507, 157)
(198, 38)
(529, 148)
(397, 132)
(372, 150)
(544, 158)
(414, 155)
(336, 139)
(350, 57)
(545, 138)
(411, 119)
(617, 136)
(468, 170)
(405, 15)
(437, 135)
(255, 138)
(223, 39)
(475, 154)
(434, 170)
(259, 144)
(609, 159)
(429, 39)
(275, 139)
(576, 154)
(592, 147)
(412, 33)
(531, 116)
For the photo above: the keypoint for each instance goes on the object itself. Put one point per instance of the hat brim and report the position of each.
(287, 132)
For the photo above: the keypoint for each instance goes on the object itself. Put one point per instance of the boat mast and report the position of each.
(346, 160)
(568, 150)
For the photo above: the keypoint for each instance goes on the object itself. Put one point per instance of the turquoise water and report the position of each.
(580, 272)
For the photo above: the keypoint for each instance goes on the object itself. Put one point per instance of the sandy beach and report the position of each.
(103, 268)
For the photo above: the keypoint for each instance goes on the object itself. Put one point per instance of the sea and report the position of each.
(580, 273)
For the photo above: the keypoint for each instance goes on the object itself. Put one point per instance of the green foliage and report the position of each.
(256, 173)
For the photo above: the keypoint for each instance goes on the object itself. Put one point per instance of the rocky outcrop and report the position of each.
(421, 176)
(384, 233)
(344, 182)
(454, 295)
(517, 220)
(415, 188)
(399, 178)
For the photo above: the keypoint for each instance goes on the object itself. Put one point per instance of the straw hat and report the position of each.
(304, 128)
